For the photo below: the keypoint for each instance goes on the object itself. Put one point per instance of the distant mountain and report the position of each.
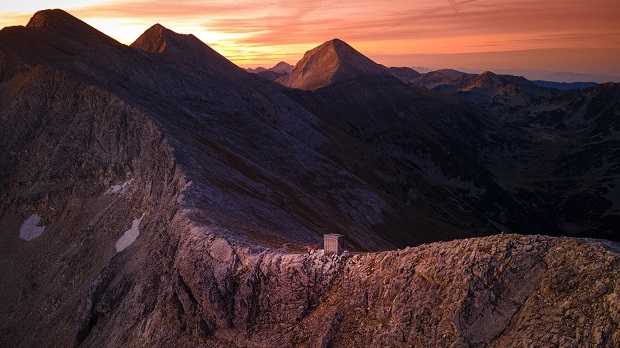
(404, 74)
(61, 23)
(545, 140)
(568, 77)
(269, 75)
(393, 118)
(272, 74)
(332, 62)
(183, 49)
(438, 79)
(554, 76)
(282, 68)
(500, 95)
(256, 70)
(564, 86)
(590, 112)
(421, 70)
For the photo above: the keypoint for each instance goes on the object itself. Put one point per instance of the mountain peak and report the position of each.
(158, 38)
(47, 18)
(64, 24)
(331, 62)
(183, 49)
(283, 68)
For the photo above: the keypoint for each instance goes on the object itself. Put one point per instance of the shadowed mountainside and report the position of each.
(438, 141)
(404, 74)
(553, 150)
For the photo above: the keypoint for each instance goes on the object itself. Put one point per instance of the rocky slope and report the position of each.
(432, 140)
(567, 159)
(404, 74)
(274, 186)
(552, 150)
(500, 95)
(157, 195)
(90, 166)
(500, 291)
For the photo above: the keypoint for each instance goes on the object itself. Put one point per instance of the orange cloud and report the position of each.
(258, 32)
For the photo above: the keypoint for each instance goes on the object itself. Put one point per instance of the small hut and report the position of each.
(333, 244)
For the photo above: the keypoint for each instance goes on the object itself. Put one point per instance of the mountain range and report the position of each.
(273, 73)
(158, 195)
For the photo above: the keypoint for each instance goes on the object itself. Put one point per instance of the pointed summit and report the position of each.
(53, 18)
(159, 39)
(64, 24)
(182, 48)
(282, 68)
(332, 62)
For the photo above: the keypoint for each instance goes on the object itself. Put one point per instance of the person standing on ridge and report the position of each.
(315, 248)
(309, 250)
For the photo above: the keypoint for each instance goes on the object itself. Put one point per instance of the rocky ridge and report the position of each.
(279, 70)
(404, 74)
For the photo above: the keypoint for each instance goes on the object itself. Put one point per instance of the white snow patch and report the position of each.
(29, 229)
(118, 188)
(129, 236)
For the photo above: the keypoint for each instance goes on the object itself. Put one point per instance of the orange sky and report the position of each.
(571, 35)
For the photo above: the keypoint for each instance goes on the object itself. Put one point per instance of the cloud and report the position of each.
(276, 23)
(255, 29)
(165, 9)
(413, 21)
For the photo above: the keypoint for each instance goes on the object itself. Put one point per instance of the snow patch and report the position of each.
(29, 229)
(118, 188)
(129, 236)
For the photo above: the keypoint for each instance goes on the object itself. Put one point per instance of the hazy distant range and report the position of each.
(503, 63)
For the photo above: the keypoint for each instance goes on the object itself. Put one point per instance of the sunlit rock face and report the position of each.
(332, 62)
(158, 195)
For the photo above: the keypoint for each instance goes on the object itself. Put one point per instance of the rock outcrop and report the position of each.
(502, 291)
(67, 144)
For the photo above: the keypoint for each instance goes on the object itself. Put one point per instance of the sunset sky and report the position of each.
(572, 35)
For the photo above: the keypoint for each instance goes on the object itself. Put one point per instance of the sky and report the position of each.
(575, 36)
